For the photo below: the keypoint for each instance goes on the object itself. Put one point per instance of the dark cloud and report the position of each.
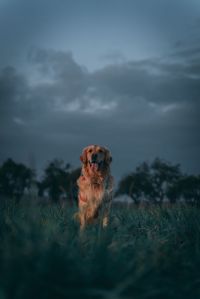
(92, 29)
(138, 109)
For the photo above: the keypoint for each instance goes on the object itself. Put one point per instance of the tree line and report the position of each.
(154, 182)
(58, 181)
(160, 181)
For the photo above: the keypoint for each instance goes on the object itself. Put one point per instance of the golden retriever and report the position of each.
(95, 185)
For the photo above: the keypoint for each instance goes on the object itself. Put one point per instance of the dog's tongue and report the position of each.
(94, 166)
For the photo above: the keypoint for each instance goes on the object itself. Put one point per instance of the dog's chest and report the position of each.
(96, 190)
(93, 189)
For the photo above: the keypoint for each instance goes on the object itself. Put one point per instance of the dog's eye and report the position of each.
(100, 151)
(90, 150)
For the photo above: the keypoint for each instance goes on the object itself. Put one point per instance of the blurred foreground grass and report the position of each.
(144, 253)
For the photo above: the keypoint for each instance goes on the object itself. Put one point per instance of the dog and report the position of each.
(95, 185)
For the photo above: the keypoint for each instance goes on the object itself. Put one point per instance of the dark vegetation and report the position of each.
(160, 181)
(58, 181)
(149, 252)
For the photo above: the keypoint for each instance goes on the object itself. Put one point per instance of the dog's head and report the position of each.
(96, 157)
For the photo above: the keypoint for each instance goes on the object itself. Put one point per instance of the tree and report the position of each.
(187, 188)
(54, 180)
(164, 176)
(14, 178)
(138, 185)
(150, 182)
(59, 181)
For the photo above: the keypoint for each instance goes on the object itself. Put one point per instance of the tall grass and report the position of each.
(144, 253)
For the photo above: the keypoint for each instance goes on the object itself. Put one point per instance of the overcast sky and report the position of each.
(121, 73)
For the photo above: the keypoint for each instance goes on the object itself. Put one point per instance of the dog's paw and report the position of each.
(105, 222)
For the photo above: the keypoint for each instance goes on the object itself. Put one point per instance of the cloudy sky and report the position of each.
(121, 73)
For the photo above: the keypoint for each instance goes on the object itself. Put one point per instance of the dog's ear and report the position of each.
(83, 157)
(108, 157)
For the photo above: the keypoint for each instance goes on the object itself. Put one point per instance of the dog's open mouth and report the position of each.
(95, 165)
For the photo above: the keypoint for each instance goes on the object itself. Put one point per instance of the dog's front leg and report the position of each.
(106, 210)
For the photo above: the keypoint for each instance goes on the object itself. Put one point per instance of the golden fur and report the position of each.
(95, 185)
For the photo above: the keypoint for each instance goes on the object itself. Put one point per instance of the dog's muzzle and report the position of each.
(95, 165)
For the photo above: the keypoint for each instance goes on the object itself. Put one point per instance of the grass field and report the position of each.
(144, 253)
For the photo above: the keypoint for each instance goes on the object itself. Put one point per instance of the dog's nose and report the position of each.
(94, 157)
